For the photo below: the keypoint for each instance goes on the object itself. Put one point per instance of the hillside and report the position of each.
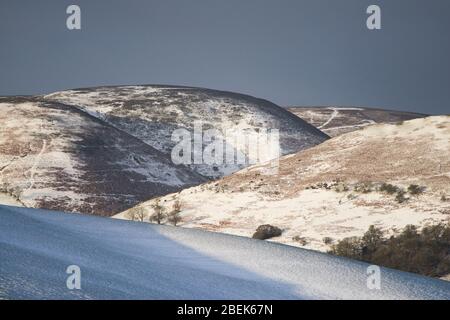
(103, 150)
(335, 121)
(151, 113)
(336, 189)
(128, 260)
(55, 156)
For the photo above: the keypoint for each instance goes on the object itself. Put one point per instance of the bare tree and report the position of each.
(159, 212)
(174, 215)
(136, 214)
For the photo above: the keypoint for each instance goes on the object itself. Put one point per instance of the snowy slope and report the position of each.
(123, 260)
(335, 121)
(55, 156)
(151, 113)
(102, 150)
(315, 195)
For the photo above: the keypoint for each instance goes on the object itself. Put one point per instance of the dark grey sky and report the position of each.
(292, 52)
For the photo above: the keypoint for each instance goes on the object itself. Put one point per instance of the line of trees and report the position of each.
(426, 252)
(159, 215)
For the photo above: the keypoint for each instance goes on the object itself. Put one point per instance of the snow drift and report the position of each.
(129, 260)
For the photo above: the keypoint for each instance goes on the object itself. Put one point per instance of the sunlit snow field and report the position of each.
(131, 260)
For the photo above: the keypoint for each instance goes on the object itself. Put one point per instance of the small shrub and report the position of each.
(415, 189)
(444, 198)
(388, 188)
(266, 231)
(371, 240)
(348, 247)
(301, 240)
(327, 240)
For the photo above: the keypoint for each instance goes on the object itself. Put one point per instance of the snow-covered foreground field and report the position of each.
(130, 260)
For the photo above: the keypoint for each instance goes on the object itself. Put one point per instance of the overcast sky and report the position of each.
(292, 52)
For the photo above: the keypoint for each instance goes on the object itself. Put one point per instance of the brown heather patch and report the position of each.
(379, 159)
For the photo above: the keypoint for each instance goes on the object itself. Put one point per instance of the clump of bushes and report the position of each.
(401, 195)
(266, 231)
(348, 247)
(426, 252)
(327, 186)
(388, 188)
(365, 187)
(415, 189)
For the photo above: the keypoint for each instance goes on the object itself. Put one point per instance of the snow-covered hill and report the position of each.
(130, 260)
(333, 189)
(151, 113)
(55, 156)
(338, 120)
(103, 150)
